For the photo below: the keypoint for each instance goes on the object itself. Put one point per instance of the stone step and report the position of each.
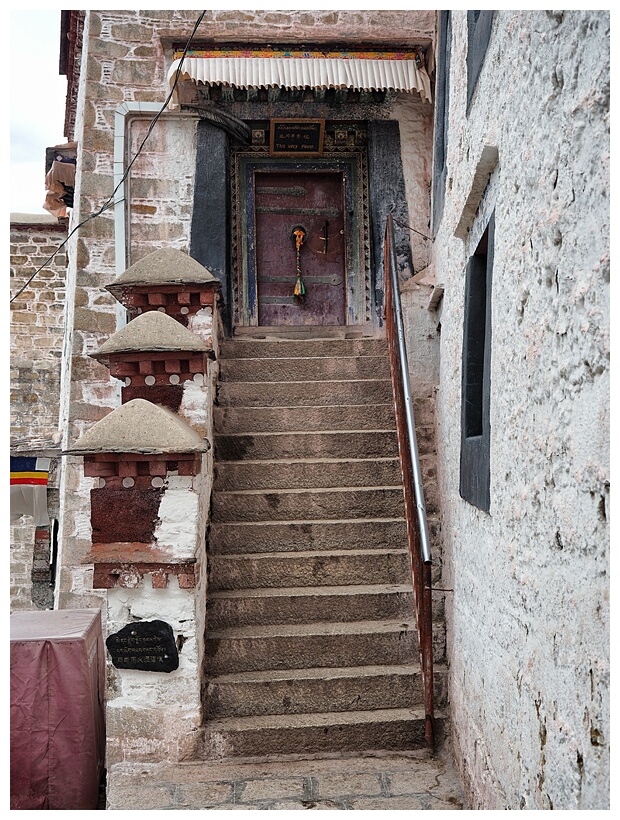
(271, 446)
(275, 735)
(262, 647)
(324, 503)
(269, 605)
(296, 369)
(293, 419)
(299, 691)
(306, 474)
(304, 332)
(309, 569)
(304, 393)
(296, 536)
(310, 348)
(309, 573)
(301, 646)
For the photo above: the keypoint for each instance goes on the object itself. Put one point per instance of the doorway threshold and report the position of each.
(308, 332)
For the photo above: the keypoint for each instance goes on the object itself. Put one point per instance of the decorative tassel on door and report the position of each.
(300, 289)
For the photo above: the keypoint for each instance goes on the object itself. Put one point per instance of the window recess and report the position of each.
(479, 24)
(475, 473)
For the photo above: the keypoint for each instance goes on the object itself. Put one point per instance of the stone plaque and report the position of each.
(145, 645)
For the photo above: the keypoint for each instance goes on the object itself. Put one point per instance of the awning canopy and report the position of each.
(360, 71)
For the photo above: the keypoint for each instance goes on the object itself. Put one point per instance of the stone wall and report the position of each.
(20, 578)
(37, 329)
(152, 715)
(529, 615)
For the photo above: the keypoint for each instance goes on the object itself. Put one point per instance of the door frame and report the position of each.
(354, 169)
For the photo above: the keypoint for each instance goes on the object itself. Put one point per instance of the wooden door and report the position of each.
(310, 202)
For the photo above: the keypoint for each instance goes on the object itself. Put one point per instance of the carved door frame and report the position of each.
(353, 166)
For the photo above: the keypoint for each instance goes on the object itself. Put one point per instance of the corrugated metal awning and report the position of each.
(363, 72)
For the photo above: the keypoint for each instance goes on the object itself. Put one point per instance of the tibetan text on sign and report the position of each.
(145, 645)
(296, 137)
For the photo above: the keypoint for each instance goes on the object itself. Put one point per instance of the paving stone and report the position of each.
(343, 785)
(445, 805)
(233, 806)
(151, 797)
(414, 802)
(324, 805)
(411, 781)
(271, 789)
(419, 780)
(203, 795)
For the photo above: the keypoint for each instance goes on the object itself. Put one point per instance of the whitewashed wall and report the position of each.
(155, 716)
(529, 615)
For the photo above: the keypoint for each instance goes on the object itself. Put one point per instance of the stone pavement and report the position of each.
(397, 781)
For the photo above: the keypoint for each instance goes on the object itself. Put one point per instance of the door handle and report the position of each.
(325, 237)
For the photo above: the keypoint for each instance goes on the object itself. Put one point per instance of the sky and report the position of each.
(37, 104)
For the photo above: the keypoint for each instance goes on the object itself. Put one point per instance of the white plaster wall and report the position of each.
(415, 119)
(182, 514)
(529, 615)
(161, 184)
(154, 715)
(157, 715)
(201, 323)
(421, 338)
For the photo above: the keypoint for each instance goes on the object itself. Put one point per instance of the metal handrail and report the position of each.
(415, 508)
(404, 374)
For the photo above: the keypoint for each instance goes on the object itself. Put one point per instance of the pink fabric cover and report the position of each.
(57, 709)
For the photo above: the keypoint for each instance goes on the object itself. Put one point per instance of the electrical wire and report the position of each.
(404, 225)
(110, 201)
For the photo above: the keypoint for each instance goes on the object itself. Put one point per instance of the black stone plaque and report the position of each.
(145, 645)
(293, 137)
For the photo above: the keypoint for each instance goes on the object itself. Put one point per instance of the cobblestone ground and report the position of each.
(387, 782)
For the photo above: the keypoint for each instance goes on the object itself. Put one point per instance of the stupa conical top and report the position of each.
(152, 331)
(166, 266)
(139, 427)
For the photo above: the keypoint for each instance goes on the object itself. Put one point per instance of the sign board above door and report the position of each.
(301, 137)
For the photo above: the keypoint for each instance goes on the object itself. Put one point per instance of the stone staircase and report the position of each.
(311, 642)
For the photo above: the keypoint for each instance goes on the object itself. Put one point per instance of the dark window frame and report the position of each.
(479, 25)
(475, 468)
(442, 100)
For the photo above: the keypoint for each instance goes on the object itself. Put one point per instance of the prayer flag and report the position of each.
(29, 476)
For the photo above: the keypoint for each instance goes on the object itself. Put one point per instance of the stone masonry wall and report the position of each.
(529, 615)
(22, 548)
(415, 119)
(37, 328)
(155, 716)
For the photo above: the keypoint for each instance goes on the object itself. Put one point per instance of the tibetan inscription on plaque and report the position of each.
(290, 138)
(145, 645)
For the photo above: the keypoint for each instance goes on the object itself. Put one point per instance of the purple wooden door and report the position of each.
(313, 203)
